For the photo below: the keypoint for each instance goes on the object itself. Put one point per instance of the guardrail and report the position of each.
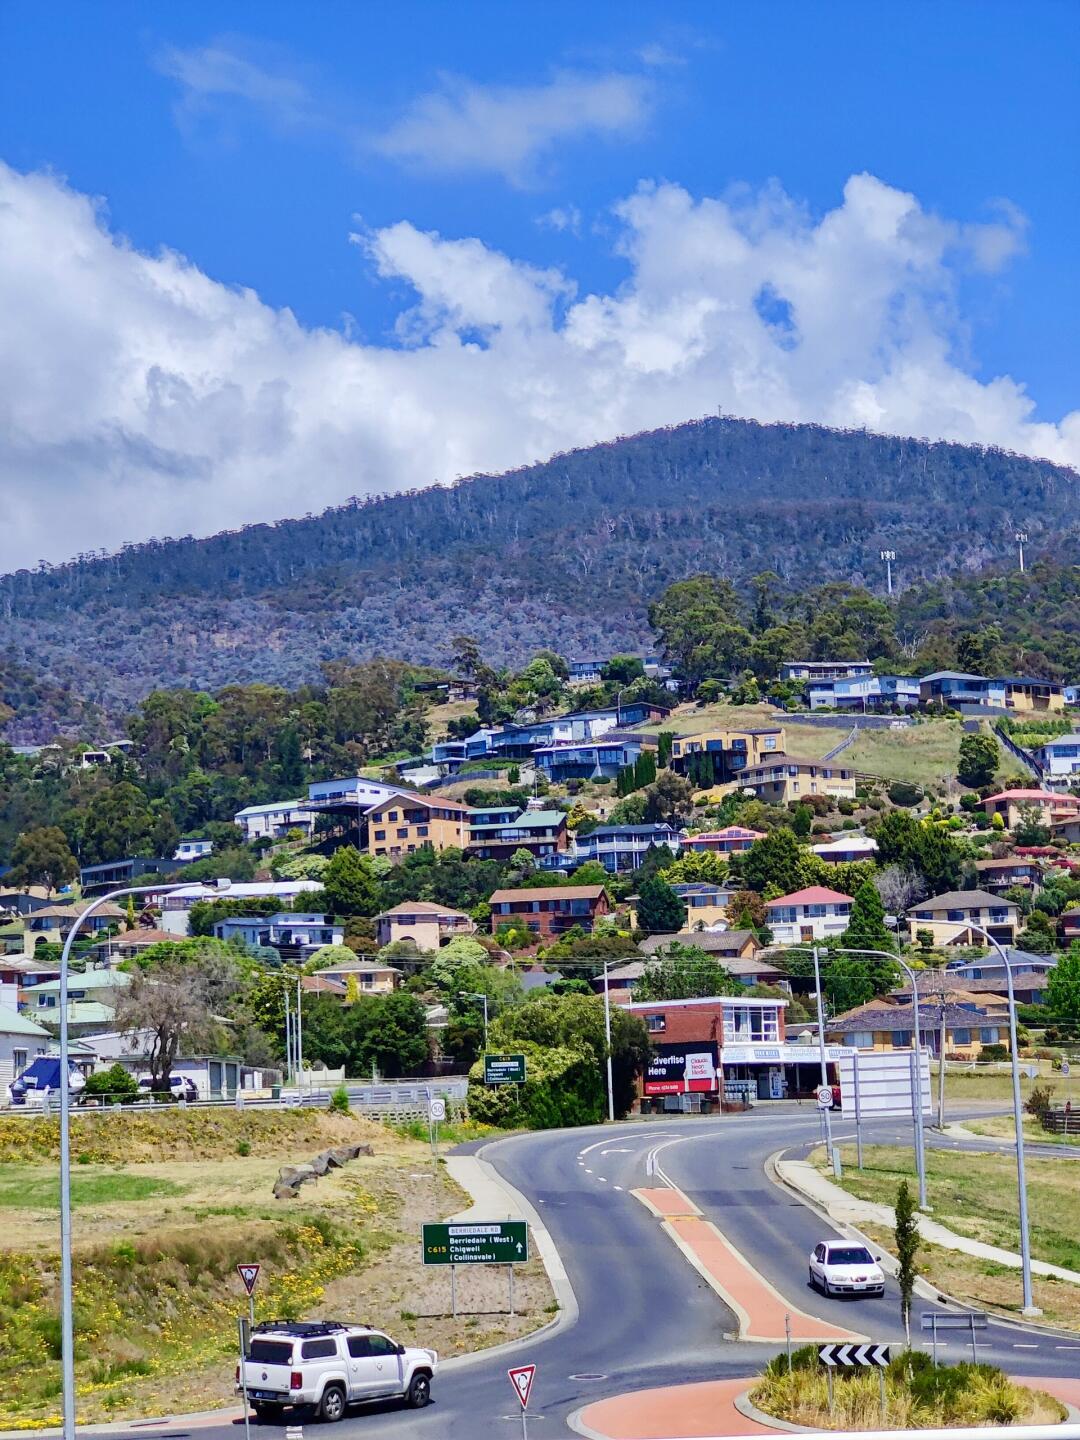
(390, 1098)
(1019, 753)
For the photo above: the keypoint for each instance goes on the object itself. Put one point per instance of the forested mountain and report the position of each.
(567, 553)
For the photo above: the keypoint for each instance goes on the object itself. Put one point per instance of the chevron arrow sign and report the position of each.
(849, 1357)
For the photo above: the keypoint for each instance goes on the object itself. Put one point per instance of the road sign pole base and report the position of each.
(1031, 1312)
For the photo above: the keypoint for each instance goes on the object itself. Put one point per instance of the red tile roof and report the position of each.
(1033, 795)
(812, 895)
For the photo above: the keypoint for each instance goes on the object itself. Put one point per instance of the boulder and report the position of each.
(284, 1191)
(321, 1163)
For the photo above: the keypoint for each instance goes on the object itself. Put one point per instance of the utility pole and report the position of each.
(833, 1154)
(889, 556)
(1021, 536)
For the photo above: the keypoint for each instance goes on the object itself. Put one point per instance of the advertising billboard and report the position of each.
(682, 1069)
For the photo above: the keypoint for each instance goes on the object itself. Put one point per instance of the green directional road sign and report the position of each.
(504, 1069)
(484, 1242)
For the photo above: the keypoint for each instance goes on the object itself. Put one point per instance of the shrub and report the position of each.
(243, 1147)
(339, 1101)
(902, 792)
(116, 1083)
(994, 1052)
(1039, 1101)
(564, 1087)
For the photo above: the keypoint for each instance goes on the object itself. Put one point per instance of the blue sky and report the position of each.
(456, 190)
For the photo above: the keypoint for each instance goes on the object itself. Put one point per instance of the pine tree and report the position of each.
(659, 911)
(866, 926)
(907, 1247)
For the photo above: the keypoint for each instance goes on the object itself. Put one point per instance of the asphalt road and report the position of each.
(645, 1316)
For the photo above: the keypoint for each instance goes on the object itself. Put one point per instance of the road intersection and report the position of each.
(646, 1313)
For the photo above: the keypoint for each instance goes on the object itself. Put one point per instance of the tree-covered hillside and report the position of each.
(568, 553)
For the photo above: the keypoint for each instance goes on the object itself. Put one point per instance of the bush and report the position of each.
(1039, 1102)
(339, 1101)
(564, 1087)
(902, 792)
(994, 1052)
(116, 1083)
(846, 807)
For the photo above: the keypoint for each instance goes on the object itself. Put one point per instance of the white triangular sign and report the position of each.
(249, 1274)
(522, 1379)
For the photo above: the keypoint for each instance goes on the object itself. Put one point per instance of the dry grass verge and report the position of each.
(157, 1242)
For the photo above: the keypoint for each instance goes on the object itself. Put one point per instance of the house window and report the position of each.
(988, 1035)
(655, 1023)
(380, 834)
(861, 1039)
(402, 832)
(421, 829)
(957, 915)
(392, 816)
(901, 1038)
(18, 1061)
(961, 1036)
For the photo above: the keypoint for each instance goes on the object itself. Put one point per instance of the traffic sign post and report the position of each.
(855, 1357)
(969, 1320)
(249, 1274)
(521, 1378)
(504, 1069)
(823, 1095)
(495, 1242)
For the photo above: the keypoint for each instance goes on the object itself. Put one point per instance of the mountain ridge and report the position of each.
(566, 552)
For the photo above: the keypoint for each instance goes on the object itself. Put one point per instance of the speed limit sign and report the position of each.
(824, 1097)
(1065, 1068)
(437, 1109)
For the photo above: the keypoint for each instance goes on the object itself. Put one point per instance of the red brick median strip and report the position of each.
(759, 1308)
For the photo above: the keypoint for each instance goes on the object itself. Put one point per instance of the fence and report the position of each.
(1060, 1122)
(1030, 764)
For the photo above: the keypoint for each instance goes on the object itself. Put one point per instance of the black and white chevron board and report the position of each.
(849, 1357)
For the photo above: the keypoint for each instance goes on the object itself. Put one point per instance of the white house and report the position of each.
(850, 848)
(273, 822)
(807, 915)
(193, 849)
(21, 1040)
(1060, 761)
(176, 904)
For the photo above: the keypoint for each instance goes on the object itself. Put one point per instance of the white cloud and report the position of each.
(138, 396)
(563, 218)
(228, 70)
(510, 130)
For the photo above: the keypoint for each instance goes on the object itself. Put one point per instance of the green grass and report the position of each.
(975, 1195)
(26, 1188)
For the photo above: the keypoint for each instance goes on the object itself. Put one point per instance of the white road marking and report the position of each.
(1023, 1347)
(602, 1179)
(616, 1187)
(624, 1150)
(587, 1170)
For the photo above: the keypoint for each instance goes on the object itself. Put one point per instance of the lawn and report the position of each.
(27, 1188)
(975, 1195)
(965, 1086)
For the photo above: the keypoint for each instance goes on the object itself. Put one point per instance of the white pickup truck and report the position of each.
(326, 1365)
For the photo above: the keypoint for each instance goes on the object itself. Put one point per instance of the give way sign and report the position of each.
(522, 1379)
(249, 1274)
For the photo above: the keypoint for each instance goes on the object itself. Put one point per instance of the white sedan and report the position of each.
(841, 1268)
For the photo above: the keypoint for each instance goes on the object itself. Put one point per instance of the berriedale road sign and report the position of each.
(484, 1242)
(504, 1069)
(850, 1356)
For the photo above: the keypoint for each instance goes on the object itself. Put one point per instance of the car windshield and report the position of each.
(850, 1255)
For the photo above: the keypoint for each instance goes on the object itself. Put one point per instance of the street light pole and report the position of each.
(1031, 1310)
(607, 1036)
(1021, 536)
(821, 1054)
(67, 1317)
(478, 995)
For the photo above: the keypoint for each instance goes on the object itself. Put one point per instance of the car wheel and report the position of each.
(813, 1282)
(826, 1288)
(332, 1404)
(419, 1392)
(266, 1412)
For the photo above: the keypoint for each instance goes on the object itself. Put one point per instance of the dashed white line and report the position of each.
(616, 1187)
(1021, 1347)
